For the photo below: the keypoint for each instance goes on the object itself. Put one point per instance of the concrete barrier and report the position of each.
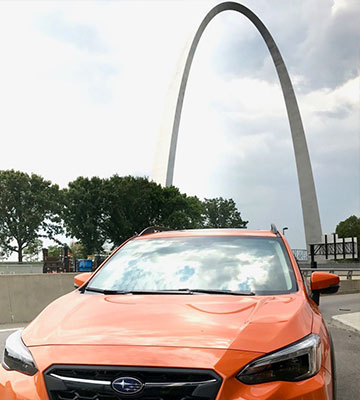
(23, 268)
(348, 286)
(22, 297)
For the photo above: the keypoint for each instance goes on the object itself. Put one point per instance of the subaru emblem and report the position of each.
(127, 385)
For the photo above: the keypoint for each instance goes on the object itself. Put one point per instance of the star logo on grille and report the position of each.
(127, 385)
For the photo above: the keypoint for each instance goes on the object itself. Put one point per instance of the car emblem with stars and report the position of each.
(127, 385)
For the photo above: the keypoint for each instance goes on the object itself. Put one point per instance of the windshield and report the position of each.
(219, 263)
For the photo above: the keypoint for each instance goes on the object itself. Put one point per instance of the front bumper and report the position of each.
(17, 386)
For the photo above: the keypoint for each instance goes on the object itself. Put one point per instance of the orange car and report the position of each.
(181, 315)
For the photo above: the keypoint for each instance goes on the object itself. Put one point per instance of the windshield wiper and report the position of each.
(111, 291)
(217, 291)
(106, 291)
(169, 291)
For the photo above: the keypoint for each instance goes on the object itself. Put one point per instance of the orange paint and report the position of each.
(80, 279)
(322, 280)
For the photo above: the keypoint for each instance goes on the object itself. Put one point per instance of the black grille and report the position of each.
(76, 382)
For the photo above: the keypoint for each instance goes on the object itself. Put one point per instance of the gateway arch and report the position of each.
(166, 149)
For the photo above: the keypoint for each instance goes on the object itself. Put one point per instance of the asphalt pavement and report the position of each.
(337, 310)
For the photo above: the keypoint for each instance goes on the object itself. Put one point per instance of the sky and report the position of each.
(83, 88)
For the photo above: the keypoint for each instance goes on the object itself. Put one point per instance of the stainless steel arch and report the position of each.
(165, 155)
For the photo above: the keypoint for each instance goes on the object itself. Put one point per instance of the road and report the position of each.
(347, 343)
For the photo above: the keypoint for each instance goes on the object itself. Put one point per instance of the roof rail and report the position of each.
(274, 230)
(152, 229)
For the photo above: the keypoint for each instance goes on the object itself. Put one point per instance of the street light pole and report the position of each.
(284, 229)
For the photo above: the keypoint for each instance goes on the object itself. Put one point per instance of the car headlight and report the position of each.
(298, 361)
(16, 355)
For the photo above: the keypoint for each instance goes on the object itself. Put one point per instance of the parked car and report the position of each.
(181, 315)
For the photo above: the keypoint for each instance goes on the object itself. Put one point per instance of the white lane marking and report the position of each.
(11, 329)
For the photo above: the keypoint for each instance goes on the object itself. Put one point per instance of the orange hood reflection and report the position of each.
(260, 323)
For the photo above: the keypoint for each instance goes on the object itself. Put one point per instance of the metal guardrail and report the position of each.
(348, 272)
(300, 254)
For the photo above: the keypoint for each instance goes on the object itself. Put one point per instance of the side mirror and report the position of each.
(80, 279)
(323, 283)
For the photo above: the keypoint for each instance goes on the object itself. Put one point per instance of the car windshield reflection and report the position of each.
(210, 263)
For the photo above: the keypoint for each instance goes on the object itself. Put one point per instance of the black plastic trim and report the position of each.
(152, 229)
(202, 386)
(274, 230)
(333, 367)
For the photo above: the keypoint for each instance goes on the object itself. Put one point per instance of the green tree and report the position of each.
(28, 209)
(222, 213)
(99, 210)
(350, 228)
(179, 211)
(83, 212)
(4, 254)
(77, 250)
(55, 251)
(134, 203)
(31, 252)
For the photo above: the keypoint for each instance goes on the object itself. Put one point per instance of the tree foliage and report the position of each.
(350, 228)
(96, 211)
(135, 203)
(55, 251)
(77, 250)
(179, 211)
(83, 212)
(127, 205)
(28, 206)
(4, 254)
(31, 252)
(132, 204)
(222, 213)
(114, 209)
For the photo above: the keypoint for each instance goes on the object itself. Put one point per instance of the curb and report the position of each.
(349, 321)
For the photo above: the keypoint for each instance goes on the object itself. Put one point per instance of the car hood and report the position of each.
(257, 323)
